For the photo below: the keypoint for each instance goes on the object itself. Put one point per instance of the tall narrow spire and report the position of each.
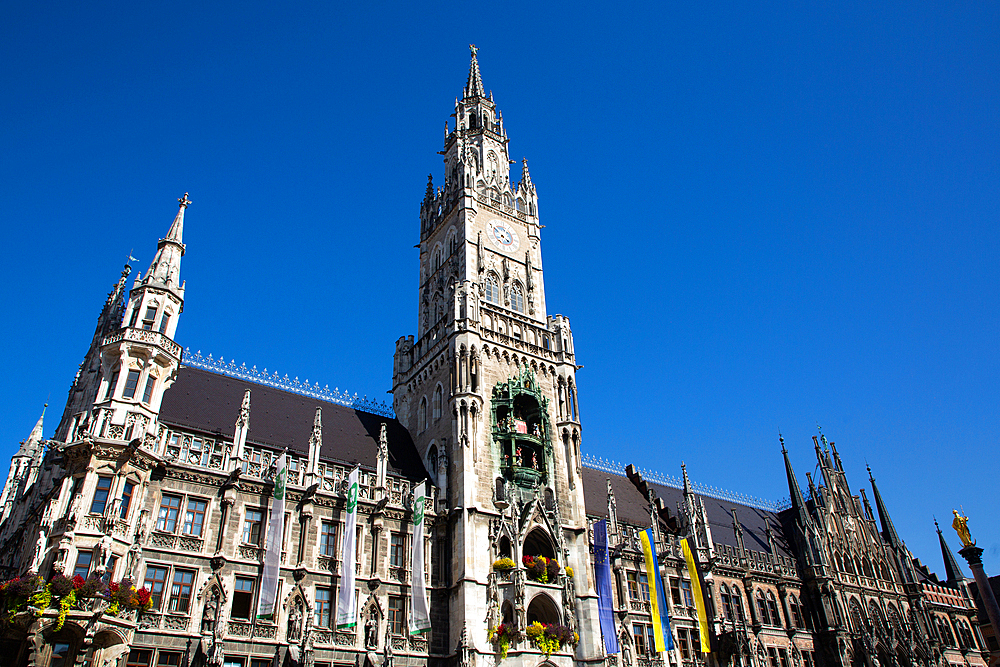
(794, 492)
(474, 86)
(166, 266)
(888, 530)
(29, 446)
(951, 566)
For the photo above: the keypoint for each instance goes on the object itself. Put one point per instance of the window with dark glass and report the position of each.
(772, 608)
(262, 662)
(328, 539)
(100, 501)
(168, 659)
(180, 591)
(639, 632)
(194, 517)
(156, 581)
(126, 499)
(397, 549)
(170, 506)
(684, 643)
(242, 598)
(147, 393)
(111, 385)
(84, 560)
(324, 598)
(396, 614)
(139, 657)
(251, 527)
(686, 591)
(163, 322)
(675, 591)
(109, 571)
(131, 382)
(149, 318)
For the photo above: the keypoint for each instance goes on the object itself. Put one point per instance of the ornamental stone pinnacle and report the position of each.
(184, 201)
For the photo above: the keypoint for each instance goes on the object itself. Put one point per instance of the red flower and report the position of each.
(78, 582)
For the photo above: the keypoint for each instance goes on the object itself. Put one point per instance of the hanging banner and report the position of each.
(420, 618)
(602, 574)
(347, 612)
(272, 550)
(700, 593)
(662, 639)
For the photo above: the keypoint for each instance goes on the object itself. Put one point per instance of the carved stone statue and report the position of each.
(294, 630)
(960, 524)
(211, 612)
(493, 602)
(371, 632)
(387, 660)
(102, 551)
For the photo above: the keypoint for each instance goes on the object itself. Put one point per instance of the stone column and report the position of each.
(973, 554)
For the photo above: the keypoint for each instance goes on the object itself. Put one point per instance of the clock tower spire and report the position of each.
(487, 389)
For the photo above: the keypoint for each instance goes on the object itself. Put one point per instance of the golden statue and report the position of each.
(960, 524)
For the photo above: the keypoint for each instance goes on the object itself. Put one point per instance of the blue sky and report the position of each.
(757, 217)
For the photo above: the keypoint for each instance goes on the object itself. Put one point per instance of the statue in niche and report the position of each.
(493, 602)
(371, 632)
(211, 612)
(294, 630)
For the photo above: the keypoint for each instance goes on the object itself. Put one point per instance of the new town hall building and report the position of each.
(161, 470)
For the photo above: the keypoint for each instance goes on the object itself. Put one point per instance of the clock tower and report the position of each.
(487, 390)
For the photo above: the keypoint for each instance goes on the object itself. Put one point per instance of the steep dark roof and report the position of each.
(633, 509)
(210, 403)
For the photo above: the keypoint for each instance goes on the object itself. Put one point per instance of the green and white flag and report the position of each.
(275, 533)
(420, 618)
(347, 613)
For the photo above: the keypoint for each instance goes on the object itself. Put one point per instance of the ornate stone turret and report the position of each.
(140, 360)
(83, 392)
(23, 467)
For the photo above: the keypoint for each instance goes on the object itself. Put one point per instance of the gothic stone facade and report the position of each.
(161, 470)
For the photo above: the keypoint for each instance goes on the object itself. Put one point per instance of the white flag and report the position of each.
(420, 619)
(347, 613)
(275, 533)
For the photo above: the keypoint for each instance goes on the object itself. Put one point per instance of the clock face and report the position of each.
(503, 235)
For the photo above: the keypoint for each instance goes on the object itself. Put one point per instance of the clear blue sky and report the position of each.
(758, 217)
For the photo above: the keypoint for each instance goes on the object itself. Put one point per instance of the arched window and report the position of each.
(543, 610)
(422, 415)
(772, 608)
(727, 603)
(738, 605)
(796, 609)
(762, 608)
(432, 460)
(492, 288)
(437, 403)
(517, 298)
(452, 244)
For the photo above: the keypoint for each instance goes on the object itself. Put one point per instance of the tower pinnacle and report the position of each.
(951, 567)
(474, 86)
(166, 266)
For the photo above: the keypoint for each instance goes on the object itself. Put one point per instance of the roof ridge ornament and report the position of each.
(295, 386)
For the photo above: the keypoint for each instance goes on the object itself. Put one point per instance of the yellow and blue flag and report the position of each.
(662, 639)
(700, 593)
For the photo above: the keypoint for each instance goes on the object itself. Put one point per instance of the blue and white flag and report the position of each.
(602, 573)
